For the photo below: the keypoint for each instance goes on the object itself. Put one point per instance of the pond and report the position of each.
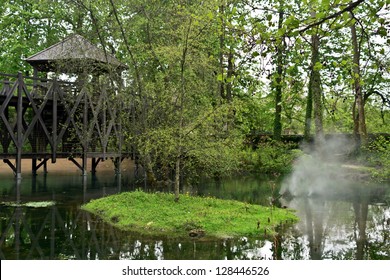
(350, 224)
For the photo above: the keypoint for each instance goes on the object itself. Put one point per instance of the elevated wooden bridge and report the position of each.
(45, 119)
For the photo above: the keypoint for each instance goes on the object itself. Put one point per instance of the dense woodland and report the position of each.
(206, 75)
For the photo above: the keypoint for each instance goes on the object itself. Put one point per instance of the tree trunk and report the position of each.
(315, 85)
(278, 84)
(221, 86)
(181, 112)
(230, 71)
(360, 130)
(177, 180)
(309, 111)
(149, 172)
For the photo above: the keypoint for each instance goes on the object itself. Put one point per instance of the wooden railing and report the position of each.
(48, 118)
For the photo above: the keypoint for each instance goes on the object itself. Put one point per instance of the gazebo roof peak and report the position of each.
(78, 51)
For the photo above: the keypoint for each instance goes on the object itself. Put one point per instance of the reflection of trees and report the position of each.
(314, 209)
(360, 207)
(378, 233)
(306, 240)
(250, 190)
(343, 225)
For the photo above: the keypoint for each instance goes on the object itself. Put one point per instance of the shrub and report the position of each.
(270, 157)
(378, 156)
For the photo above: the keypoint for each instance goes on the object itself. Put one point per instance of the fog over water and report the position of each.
(342, 215)
(342, 212)
(321, 171)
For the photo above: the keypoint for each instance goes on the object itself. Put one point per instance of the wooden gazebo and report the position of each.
(42, 118)
(75, 55)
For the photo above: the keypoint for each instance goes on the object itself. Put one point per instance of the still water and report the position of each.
(347, 225)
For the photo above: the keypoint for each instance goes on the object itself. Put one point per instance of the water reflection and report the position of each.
(340, 226)
(59, 233)
(63, 231)
(349, 224)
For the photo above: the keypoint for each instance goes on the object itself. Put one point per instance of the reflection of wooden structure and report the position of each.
(42, 119)
(81, 236)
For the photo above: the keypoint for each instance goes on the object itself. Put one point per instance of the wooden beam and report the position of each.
(36, 167)
(70, 112)
(4, 114)
(10, 164)
(94, 122)
(76, 163)
(36, 111)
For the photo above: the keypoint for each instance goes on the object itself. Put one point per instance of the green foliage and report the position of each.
(27, 27)
(158, 215)
(377, 154)
(214, 158)
(200, 76)
(377, 119)
(270, 157)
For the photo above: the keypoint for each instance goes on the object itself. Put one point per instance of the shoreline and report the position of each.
(65, 166)
(158, 215)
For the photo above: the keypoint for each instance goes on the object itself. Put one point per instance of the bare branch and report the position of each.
(349, 8)
(137, 73)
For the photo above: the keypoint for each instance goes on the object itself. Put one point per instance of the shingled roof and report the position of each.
(73, 54)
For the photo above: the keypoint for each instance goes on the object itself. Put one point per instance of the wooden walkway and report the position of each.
(43, 119)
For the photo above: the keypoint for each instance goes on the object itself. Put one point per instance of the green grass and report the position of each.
(157, 214)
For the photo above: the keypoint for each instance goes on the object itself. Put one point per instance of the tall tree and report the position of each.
(277, 83)
(358, 106)
(315, 84)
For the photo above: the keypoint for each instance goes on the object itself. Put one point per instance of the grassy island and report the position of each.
(157, 214)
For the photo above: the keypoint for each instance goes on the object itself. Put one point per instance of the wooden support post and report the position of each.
(34, 166)
(95, 163)
(19, 127)
(18, 185)
(42, 163)
(18, 223)
(93, 170)
(85, 185)
(120, 130)
(34, 185)
(54, 124)
(45, 166)
(53, 234)
(35, 80)
(104, 121)
(85, 140)
(117, 164)
(7, 136)
(84, 164)
(118, 179)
